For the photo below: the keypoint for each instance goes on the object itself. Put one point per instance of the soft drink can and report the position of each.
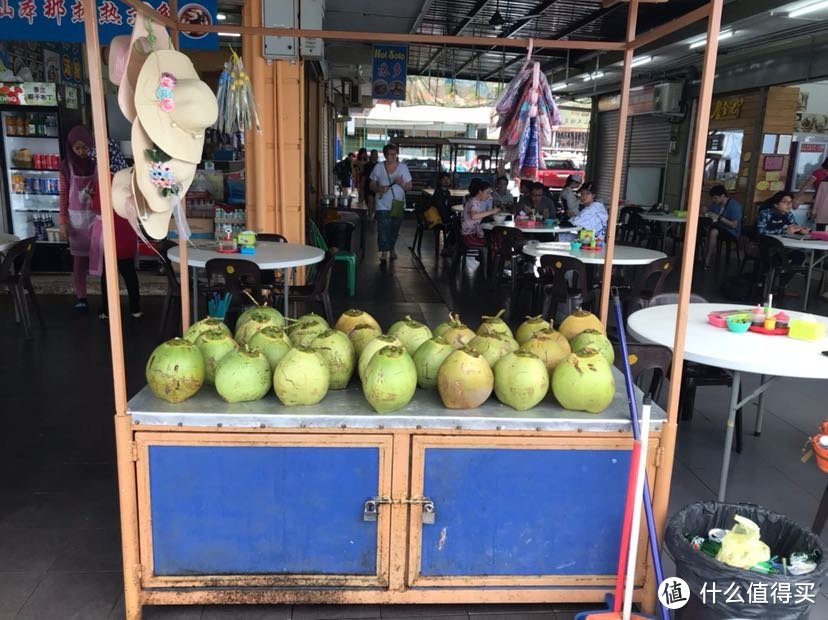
(55, 162)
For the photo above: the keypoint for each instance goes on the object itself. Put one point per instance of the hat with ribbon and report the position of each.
(147, 37)
(128, 202)
(173, 105)
(117, 59)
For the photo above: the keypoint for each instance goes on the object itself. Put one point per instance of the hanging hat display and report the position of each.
(147, 37)
(117, 59)
(173, 105)
(160, 178)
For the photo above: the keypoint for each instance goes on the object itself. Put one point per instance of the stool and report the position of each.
(349, 258)
(728, 241)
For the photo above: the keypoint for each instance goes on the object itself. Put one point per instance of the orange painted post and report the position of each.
(662, 486)
(123, 434)
(615, 195)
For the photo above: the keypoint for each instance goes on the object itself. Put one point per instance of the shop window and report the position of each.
(724, 157)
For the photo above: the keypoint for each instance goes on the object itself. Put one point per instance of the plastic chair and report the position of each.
(563, 279)
(777, 265)
(648, 284)
(276, 237)
(317, 291)
(15, 274)
(462, 250)
(645, 358)
(729, 242)
(644, 231)
(348, 257)
(624, 229)
(699, 375)
(241, 278)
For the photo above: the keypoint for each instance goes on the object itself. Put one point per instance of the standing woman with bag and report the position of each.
(78, 181)
(390, 181)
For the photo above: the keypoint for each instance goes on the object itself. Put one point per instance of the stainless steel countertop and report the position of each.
(349, 408)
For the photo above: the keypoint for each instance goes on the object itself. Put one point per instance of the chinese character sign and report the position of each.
(62, 20)
(28, 93)
(390, 65)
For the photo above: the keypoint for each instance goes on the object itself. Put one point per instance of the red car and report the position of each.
(557, 170)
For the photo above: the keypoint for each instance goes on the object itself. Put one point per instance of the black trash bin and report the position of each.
(699, 570)
(338, 235)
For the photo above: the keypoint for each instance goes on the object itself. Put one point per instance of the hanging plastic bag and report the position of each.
(742, 546)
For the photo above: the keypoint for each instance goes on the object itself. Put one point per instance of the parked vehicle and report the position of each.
(556, 172)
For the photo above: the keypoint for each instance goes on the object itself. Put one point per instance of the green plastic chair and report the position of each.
(349, 258)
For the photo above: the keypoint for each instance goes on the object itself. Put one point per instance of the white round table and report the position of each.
(7, 241)
(666, 218)
(768, 356)
(269, 255)
(534, 230)
(811, 246)
(623, 254)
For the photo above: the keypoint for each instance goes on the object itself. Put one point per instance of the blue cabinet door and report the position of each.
(263, 509)
(521, 512)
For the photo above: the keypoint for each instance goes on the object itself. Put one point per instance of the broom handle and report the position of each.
(633, 402)
(635, 527)
(625, 529)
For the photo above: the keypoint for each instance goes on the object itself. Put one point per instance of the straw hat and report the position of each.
(158, 177)
(116, 62)
(126, 198)
(147, 37)
(174, 105)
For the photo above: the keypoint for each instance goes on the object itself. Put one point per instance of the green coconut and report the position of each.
(593, 339)
(583, 381)
(549, 345)
(339, 356)
(493, 345)
(465, 380)
(349, 319)
(205, 325)
(411, 333)
(457, 334)
(304, 332)
(361, 335)
(372, 347)
(390, 379)
(428, 359)
(579, 321)
(520, 380)
(278, 318)
(256, 321)
(531, 325)
(273, 342)
(305, 318)
(301, 377)
(494, 324)
(175, 370)
(214, 345)
(243, 375)
(453, 319)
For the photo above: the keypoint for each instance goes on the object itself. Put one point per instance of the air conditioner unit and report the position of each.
(668, 98)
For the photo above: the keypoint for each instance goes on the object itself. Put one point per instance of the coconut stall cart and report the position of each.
(333, 503)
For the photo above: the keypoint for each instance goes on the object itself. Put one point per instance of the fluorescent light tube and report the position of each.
(235, 35)
(559, 86)
(643, 60)
(809, 8)
(725, 34)
(221, 17)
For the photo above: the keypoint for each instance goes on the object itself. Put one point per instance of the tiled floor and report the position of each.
(59, 538)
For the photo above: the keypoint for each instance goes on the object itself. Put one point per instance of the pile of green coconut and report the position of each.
(300, 360)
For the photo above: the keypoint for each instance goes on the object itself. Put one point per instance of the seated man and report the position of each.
(778, 219)
(593, 215)
(726, 215)
(441, 199)
(537, 201)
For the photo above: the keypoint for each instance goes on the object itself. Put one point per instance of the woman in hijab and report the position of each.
(78, 181)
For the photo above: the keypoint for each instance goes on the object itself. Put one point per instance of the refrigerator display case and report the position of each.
(808, 151)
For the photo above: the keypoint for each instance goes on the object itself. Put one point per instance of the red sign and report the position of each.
(812, 147)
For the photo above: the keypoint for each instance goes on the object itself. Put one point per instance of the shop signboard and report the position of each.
(390, 66)
(62, 20)
(642, 101)
(727, 109)
(28, 93)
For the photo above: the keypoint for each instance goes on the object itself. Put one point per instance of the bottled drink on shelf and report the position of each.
(31, 127)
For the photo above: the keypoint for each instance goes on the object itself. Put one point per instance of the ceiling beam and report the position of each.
(609, 3)
(419, 19)
(560, 34)
(464, 23)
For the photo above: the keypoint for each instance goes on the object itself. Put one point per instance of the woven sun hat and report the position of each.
(128, 202)
(117, 59)
(147, 37)
(174, 106)
(155, 223)
(161, 179)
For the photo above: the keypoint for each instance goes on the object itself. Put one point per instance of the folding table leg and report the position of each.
(760, 409)
(728, 442)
